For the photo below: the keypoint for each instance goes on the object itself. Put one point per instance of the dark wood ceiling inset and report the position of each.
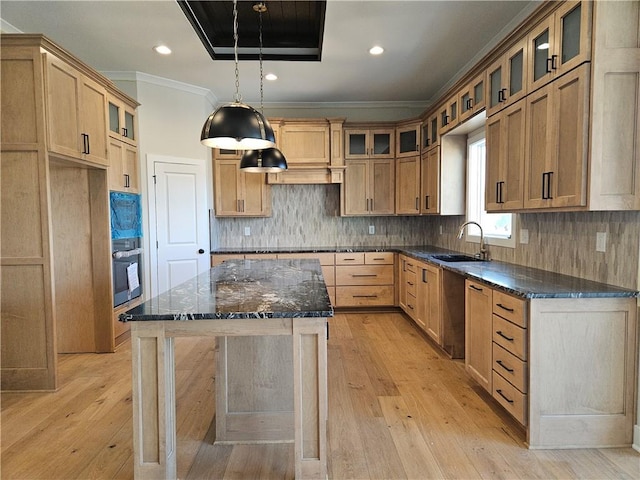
(291, 30)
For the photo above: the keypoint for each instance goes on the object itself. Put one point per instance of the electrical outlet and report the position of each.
(247, 231)
(524, 235)
(601, 241)
(372, 230)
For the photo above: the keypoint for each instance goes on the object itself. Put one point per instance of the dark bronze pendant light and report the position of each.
(237, 126)
(268, 160)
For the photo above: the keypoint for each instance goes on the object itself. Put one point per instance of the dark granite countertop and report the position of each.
(243, 289)
(517, 280)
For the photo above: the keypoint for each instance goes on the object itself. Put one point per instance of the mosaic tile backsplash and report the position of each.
(309, 215)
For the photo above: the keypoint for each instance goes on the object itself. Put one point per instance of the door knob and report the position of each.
(201, 251)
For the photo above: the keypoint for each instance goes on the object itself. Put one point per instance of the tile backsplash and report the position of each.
(309, 215)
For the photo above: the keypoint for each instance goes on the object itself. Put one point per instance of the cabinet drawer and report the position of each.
(364, 296)
(511, 308)
(410, 280)
(378, 258)
(410, 265)
(218, 258)
(365, 275)
(510, 398)
(510, 367)
(510, 336)
(325, 258)
(350, 258)
(412, 309)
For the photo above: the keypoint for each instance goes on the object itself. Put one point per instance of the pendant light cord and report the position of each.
(238, 97)
(261, 71)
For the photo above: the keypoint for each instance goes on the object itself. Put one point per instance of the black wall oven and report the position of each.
(126, 243)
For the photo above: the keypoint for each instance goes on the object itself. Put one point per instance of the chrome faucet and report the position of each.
(482, 255)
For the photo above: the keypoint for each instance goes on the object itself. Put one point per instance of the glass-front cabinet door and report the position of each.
(471, 98)
(369, 143)
(122, 121)
(560, 43)
(408, 139)
(507, 78)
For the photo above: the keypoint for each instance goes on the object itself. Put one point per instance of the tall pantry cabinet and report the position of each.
(56, 257)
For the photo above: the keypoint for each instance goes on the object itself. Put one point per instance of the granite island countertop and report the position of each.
(525, 282)
(243, 289)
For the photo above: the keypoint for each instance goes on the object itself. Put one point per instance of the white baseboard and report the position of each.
(636, 438)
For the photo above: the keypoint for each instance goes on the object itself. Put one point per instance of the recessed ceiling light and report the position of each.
(377, 50)
(271, 76)
(162, 49)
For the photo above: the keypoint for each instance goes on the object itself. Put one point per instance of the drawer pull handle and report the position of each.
(364, 274)
(499, 332)
(365, 296)
(379, 259)
(505, 308)
(477, 289)
(499, 392)
(410, 306)
(349, 259)
(410, 283)
(499, 362)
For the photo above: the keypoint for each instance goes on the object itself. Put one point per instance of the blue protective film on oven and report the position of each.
(126, 215)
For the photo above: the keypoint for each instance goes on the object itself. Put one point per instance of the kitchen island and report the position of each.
(270, 317)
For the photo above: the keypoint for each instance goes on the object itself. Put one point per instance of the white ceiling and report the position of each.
(427, 45)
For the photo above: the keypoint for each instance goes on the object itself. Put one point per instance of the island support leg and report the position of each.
(310, 390)
(153, 382)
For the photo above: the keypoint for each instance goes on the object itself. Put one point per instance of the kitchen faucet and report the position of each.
(482, 255)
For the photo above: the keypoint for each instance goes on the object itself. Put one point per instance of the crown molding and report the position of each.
(350, 105)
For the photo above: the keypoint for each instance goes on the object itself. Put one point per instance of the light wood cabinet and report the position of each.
(478, 337)
(239, 194)
(123, 167)
(471, 98)
(559, 43)
(505, 143)
(55, 299)
(76, 112)
(509, 353)
(122, 121)
(429, 316)
(506, 78)
(407, 285)
(368, 188)
(408, 185)
(430, 132)
(408, 139)
(449, 114)
(365, 279)
(556, 143)
(369, 142)
(442, 177)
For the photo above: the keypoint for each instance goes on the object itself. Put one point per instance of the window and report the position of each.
(498, 228)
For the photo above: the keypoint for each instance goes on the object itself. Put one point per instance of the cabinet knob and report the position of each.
(201, 251)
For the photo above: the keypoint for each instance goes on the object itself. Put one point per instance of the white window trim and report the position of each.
(510, 242)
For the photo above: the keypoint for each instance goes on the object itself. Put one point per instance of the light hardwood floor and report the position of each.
(398, 409)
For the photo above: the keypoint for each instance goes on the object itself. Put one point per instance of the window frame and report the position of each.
(471, 232)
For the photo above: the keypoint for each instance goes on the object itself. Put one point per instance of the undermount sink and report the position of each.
(454, 257)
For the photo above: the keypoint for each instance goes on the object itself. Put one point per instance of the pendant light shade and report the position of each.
(269, 160)
(237, 126)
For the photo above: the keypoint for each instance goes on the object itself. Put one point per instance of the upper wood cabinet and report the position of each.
(408, 139)
(305, 144)
(369, 142)
(122, 121)
(123, 167)
(408, 185)
(449, 114)
(76, 112)
(368, 188)
(505, 140)
(442, 177)
(471, 98)
(556, 142)
(506, 78)
(430, 132)
(559, 43)
(239, 194)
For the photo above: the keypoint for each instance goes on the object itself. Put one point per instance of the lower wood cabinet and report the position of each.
(428, 299)
(565, 368)
(365, 279)
(478, 347)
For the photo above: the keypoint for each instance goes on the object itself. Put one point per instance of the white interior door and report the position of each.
(182, 223)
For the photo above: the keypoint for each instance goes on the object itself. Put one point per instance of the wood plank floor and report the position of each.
(398, 409)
